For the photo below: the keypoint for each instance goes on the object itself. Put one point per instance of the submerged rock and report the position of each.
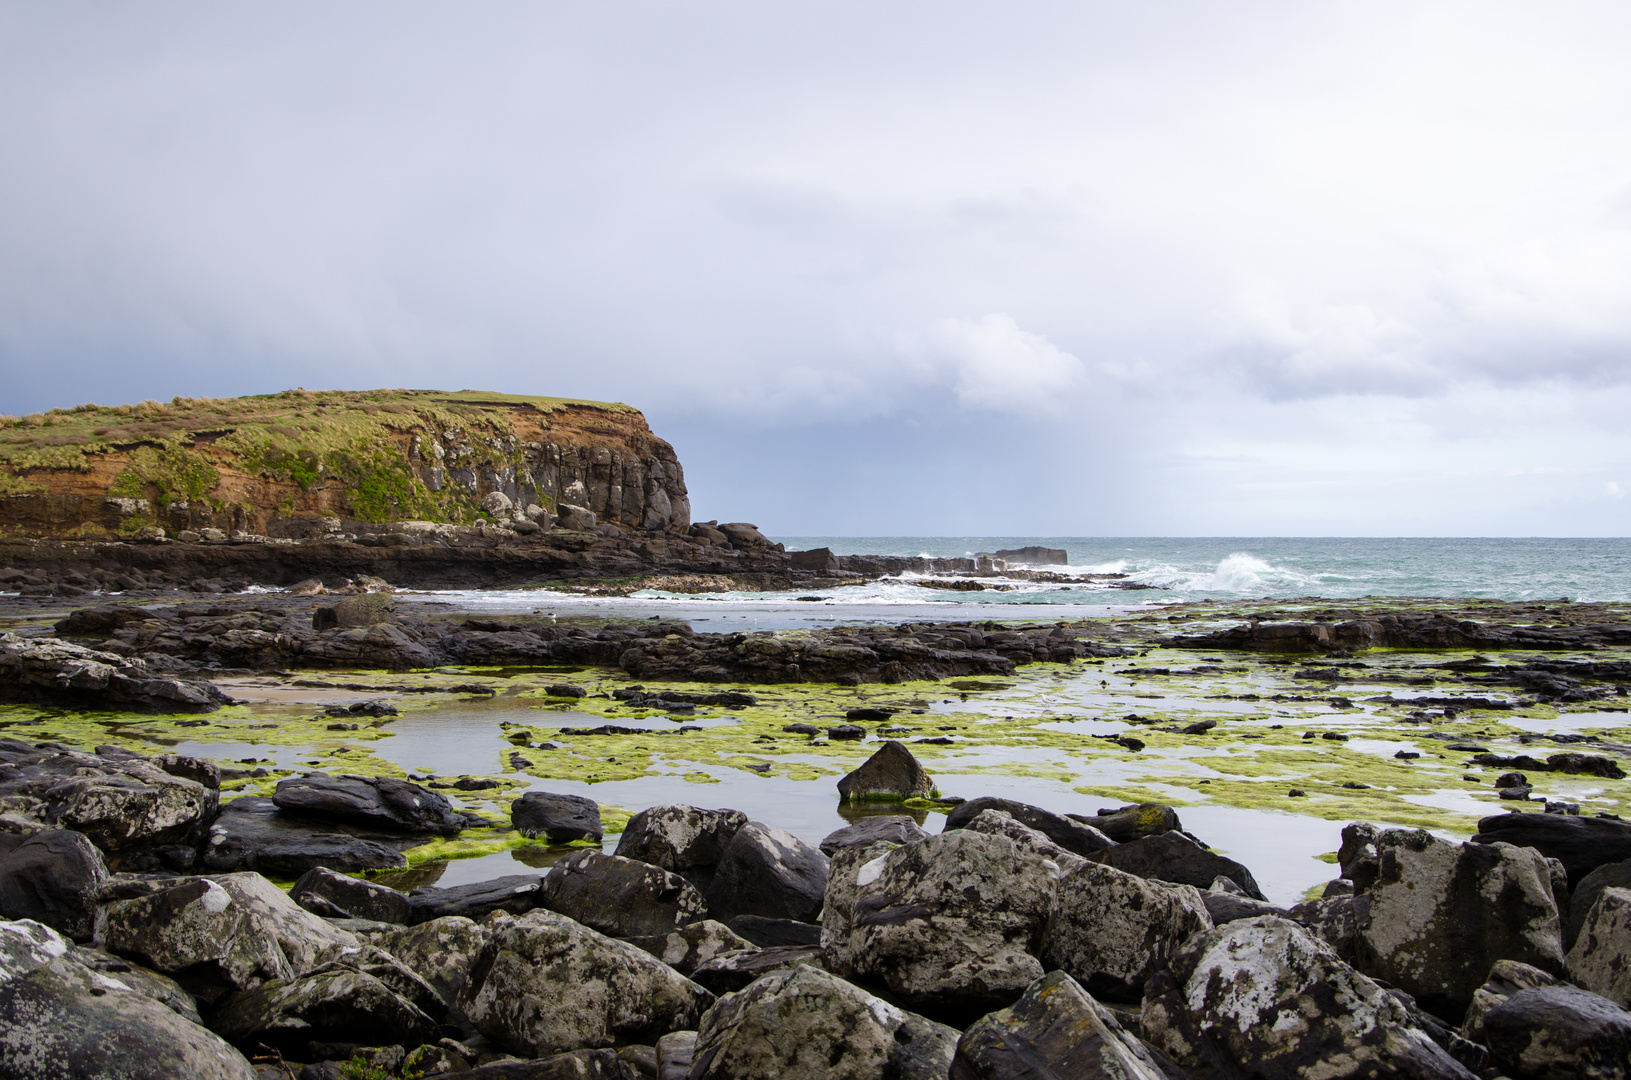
(805, 1024)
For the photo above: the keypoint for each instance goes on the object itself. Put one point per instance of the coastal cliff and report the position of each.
(301, 463)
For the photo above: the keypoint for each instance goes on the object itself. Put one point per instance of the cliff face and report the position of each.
(280, 464)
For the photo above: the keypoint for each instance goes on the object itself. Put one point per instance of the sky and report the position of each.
(1037, 268)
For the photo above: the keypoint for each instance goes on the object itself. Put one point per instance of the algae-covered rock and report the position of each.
(1055, 1029)
(545, 984)
(808, 1025)
(890, 773)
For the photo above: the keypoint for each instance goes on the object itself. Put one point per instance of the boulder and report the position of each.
(1128, 823)
(372, 802)
(1559, 1033)
(64, 1019)
(442, 953)
(1441, 914)
(363, 609)
(1506, 978)
(1055, 1029)
(56, 672)
(768, 871)
(688, 840)
(1224, 907)
(951, 925)
(619, 897)
(545, 984)
(736, 971)
(332, 895)
(838, 904)
(1111, 931)
(231, 932)
(894, 829)
(496, 502)
(1001, 823)
(1264, 997)
(1073, 836)
(1601, 958)
(26, 945)
(675, 1053)
(1334, 920)
(687, 947)
(250, 827)
(805, 1024)
(139, 814)
(1585, 892)
(52, 877)
(558, 818)
(1581, 844)
(512, 893)
(890, 773)
(574, 518)
(772, 933)
(337, 1005)
(1174, 857)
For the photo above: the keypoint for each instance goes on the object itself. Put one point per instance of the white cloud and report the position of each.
(1613, 490)
(992, 365)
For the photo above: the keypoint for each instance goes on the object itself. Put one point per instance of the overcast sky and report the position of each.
(903, 268)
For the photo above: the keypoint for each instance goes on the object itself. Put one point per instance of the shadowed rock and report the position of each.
(890, 773)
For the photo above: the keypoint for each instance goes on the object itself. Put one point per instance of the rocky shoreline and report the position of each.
(1014, 943)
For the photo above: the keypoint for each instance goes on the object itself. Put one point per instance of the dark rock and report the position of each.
(1559, 1033)
(1586, 891)
(1263, 997)
(846, 731)
(565, 690)
(364, 609)
(559, 818)
(356, 898)
(545, 984)
(64, 1019)
(1071, 835)
(577, 1065)
(896, 829)
(1581, 844)
(1433, 930)
(1601, 958)
(890, 773)
(442, 953)
(675, 1054)
(1230, 907)
(513, 893)
(375, 802)
(768, 871)
(775, 933)
(806, 1023)
(618, 896)
(1055, 1029)
(55, 672)
(1506, 978)
(801, 729)
(1128, 823)
(136, 811)
(251, 833)
(1334, 920)
(52, 877)
(1111, 931)
(688, 840)
(336, 1005)
(1174, 857)
(869, 714)
(735, 971)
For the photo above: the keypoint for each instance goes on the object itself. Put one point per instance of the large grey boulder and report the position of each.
(1001, 823)
(323, 892)
(1112, 931)
(251, 833)
(442, 952)
(141, 816)
(1601, 958)
(688, 840)
(1559, 1033)
(768, 871)
(1584, 896)
(64, 1019)
(1055, 1029)
(26, 945)
(952, 925)
(1174, 857)
(231, 932)
(806, 1024)
(545, 984)
(893, 829)
(735, 971)
(1073, 836)
(335, 1005)
(560, 819)
(58, 672)
(1267, 998)
(838, 904)
(686, 948)
(1441, 914)
(620, 897)
(52, 877)
(381, 802)
(890, 773)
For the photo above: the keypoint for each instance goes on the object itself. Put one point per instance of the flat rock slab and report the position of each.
(374, 802)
